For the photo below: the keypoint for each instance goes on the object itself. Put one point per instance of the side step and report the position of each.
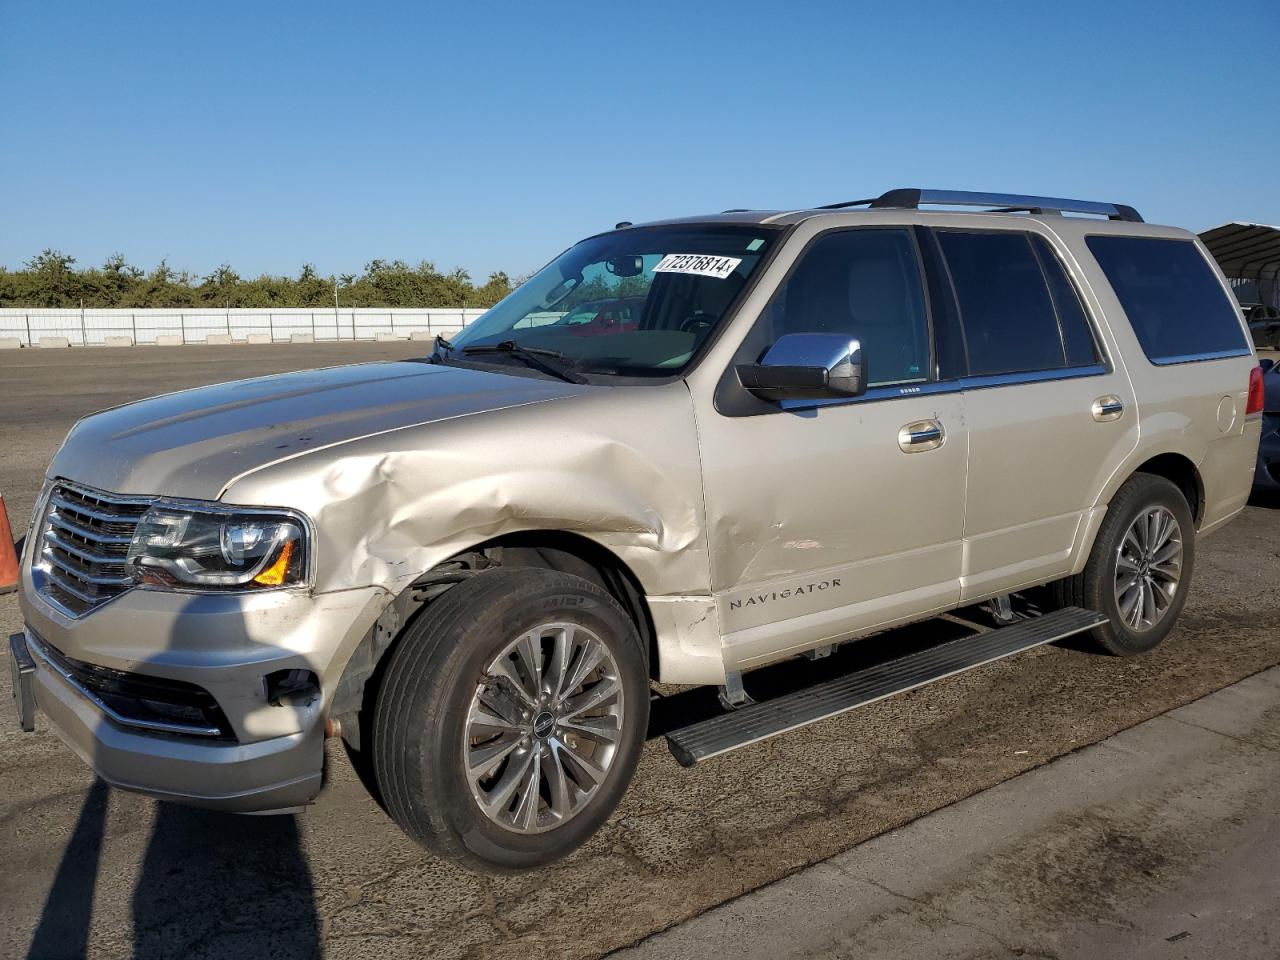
(759, 721)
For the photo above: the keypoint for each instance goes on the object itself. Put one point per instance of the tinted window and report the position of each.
(1171, 296)
(1077, 336)
(1009, 322)
(865, 283)
(948, 337)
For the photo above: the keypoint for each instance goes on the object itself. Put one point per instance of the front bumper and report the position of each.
(265, 757)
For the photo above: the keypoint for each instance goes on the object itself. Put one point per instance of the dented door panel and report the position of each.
(824, 526)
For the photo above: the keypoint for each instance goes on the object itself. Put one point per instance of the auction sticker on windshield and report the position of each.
(699, 264)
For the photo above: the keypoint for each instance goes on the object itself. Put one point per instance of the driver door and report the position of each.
(827, 518)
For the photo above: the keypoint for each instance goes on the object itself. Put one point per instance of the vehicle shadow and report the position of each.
(1268, 500)
(63, 930)
(216, 884)
(219, 886)
(232, 886)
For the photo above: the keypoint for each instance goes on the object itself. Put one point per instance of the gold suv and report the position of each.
(681, 451)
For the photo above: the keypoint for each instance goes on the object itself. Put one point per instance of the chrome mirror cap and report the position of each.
(804, 366)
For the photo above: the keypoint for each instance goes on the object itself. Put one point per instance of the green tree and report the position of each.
(221, 288)
(51, 279)
(53, 282)
(496, 287)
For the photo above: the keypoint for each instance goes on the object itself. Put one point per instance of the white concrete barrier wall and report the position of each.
(92, 327)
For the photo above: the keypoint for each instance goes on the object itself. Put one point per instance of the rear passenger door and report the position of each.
(1049, 417)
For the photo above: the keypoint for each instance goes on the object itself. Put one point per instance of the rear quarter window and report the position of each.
(1172, 297)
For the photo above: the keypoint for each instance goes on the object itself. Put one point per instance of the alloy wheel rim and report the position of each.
(543, 727)
(1148, 568)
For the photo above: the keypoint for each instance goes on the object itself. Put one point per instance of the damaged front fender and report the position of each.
(616, 465)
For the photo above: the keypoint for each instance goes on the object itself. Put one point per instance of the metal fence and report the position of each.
(191, 325)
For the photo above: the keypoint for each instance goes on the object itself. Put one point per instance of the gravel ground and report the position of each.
(110, 874)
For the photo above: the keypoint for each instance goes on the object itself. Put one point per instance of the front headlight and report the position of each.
(175, 547)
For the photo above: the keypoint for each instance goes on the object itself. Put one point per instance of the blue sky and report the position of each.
(491, 135)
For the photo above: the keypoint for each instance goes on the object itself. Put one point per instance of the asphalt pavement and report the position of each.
(88, 870)
(1160, 842)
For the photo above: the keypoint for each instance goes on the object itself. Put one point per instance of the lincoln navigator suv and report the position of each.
(681, 451)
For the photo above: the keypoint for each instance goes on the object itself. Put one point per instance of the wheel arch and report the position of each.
(574, 553)
(564, 551)
(1175, 466)
(1182, 472)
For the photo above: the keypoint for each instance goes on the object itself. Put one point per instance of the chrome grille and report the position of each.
(83, 544)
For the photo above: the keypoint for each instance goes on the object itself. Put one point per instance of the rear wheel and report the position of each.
(511, 718)
(1140, 567)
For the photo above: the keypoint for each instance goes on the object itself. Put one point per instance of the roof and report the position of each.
(916, 201)
(1247, 251)
(786, 218)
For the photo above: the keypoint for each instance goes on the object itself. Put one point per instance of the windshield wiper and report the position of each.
(545, 360)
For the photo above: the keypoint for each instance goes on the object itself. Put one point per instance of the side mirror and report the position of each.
(807, 366)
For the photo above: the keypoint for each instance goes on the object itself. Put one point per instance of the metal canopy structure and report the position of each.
(1249, 255)
(1245, 251)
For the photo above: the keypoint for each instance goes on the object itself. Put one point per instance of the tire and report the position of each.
(455, 696)
(1095, 588)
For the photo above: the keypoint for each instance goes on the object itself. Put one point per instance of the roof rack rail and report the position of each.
(912, 198)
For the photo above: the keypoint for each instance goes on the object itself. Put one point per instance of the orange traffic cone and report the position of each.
(8, 555)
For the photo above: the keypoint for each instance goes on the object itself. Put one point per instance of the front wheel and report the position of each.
(511, 718)
(1140, 567)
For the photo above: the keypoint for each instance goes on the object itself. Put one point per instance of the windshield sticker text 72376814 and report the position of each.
(700, 264)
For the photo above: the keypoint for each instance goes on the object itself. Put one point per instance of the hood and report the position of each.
(193, 443)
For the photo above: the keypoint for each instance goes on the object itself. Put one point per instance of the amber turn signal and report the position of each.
(274, 575)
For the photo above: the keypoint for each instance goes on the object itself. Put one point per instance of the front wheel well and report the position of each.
(1182, 473)
(571, 553)
(575, 554)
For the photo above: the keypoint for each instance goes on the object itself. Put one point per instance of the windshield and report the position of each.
(635, 302)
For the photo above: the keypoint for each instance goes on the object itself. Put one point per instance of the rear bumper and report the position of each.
(268, 757)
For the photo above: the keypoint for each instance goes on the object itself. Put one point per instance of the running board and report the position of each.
(759, 721)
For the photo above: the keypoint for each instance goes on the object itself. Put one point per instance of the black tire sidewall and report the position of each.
(1139, 494)
(474, 622)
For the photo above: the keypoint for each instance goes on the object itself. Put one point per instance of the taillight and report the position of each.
(1257, 393)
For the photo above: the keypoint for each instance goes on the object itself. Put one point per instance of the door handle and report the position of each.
(1107, 408)
(920, 436)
